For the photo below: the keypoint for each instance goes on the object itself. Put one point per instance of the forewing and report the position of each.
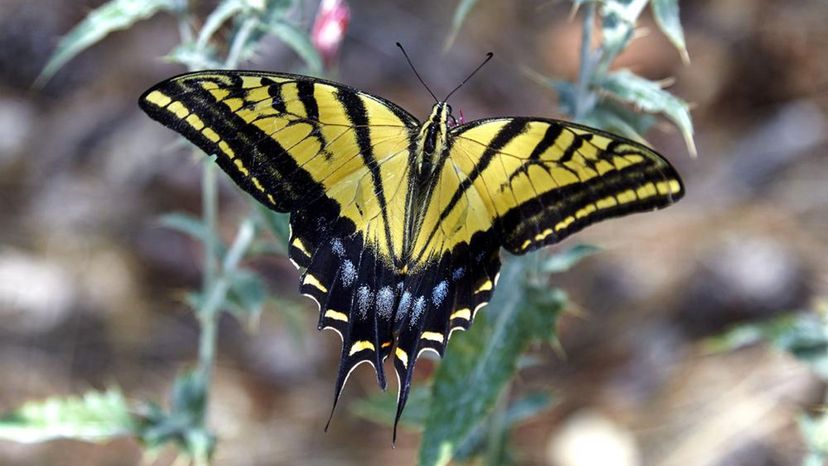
(542, 180)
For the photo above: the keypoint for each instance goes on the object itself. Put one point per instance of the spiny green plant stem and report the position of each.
(239, 41)
(212, 291)
(185, 32)
(583, 98)
(209, 213)
(214, 297)
(498, 435)
(216, 282)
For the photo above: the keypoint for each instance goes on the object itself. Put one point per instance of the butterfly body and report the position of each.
(397, 226)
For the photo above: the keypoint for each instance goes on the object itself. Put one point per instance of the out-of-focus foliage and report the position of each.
(460, 14)
(666, 13)
(815, 433)
(382, 407)
(648, 96)
(93, 417)
(593, 99)
(109, 17)
(805, 336)
(480, 362)
(183, 423)
(566, 259)
(192, 226)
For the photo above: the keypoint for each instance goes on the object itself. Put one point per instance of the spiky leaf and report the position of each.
(479, 363)
(93, 417)
(111, 16)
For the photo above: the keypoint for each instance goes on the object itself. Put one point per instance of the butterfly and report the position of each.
(397, 225)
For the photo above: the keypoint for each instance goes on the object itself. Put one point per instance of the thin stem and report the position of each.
(239, 40)
(185, 32)
(215, 282)
(214, 297)
(216, 278)
(209, 212)
(583, 100)
(207, 317)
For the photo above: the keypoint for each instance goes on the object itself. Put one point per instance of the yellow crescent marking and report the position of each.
(178, 109)
(312, 281)
(487, 285)
(668, 187)
(402, 356)
(646, 191)
(585, 211)
(526, 244)
(433, 336)
(195, 121)
(241, 168)
(211, 135)
(626, 196)
(336, 315)
(386, 344)
(464, 313)
(297, 243)
(564, 223)
(544, 234)
(158, 98)
(675, 186)
(271, 199)
(227, 150)
(606, 202)
(361, 345)
(257, 184)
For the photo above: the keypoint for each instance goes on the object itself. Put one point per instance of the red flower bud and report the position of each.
(329, 28)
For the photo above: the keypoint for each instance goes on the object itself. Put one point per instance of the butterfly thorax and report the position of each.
(431, 141)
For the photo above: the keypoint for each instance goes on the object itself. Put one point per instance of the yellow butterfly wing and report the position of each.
(522, 183)
(336, 158)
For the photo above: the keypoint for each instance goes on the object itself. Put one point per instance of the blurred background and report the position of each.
(91, 285)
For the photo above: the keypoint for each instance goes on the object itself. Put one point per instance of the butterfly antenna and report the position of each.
(416, 73)
(486, 60)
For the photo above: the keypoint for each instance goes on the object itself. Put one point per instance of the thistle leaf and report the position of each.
(111, 16)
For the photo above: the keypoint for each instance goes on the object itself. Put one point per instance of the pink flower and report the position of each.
(329, 28)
